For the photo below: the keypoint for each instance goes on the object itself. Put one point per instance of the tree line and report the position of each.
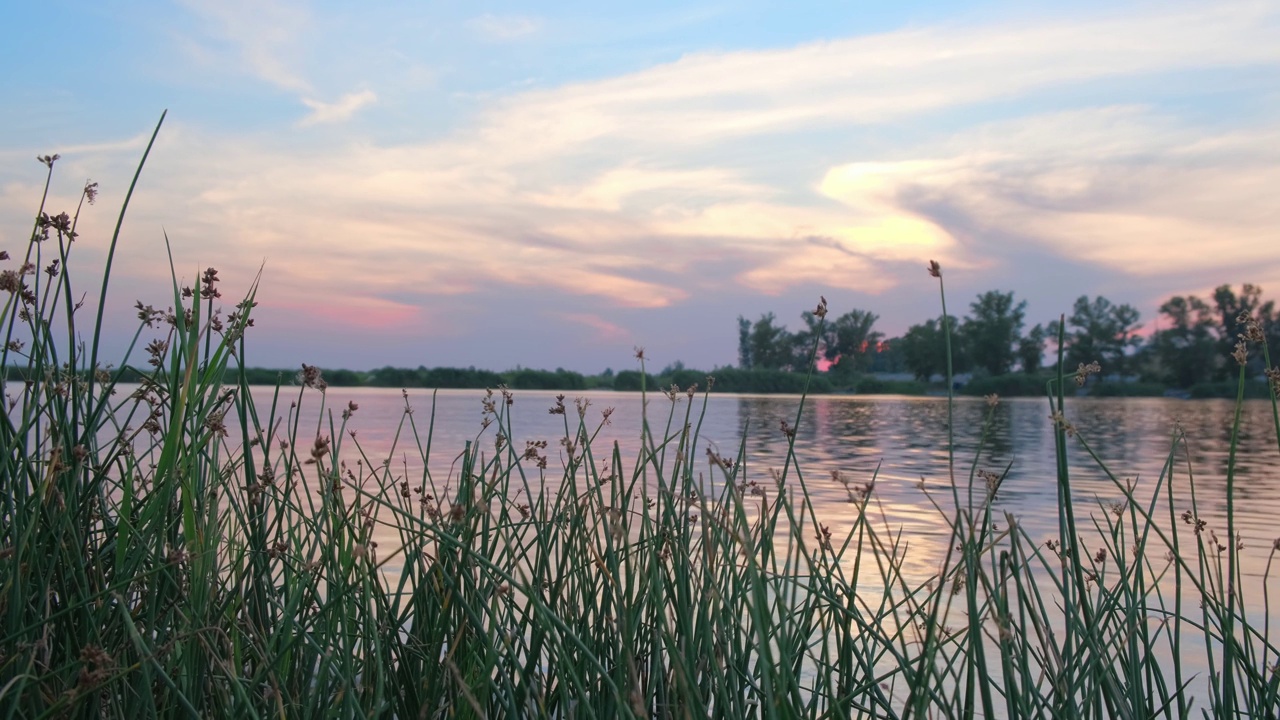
(1188, 347)
(1189, 344)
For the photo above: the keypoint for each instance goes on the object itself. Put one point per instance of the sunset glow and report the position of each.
(549, 184)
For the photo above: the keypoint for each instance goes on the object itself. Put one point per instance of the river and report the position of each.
(904, 437)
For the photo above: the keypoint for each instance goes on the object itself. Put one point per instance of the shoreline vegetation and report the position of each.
(180, 551)
(726, 380)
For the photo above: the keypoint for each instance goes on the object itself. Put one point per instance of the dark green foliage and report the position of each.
(683, 378)
(272, 377)
(421, 377)
(924, 350)
(771, 346)
(886, 357)
(1031, 349)
(1126, 389)
(872, 385)
(341, 378)
(630, 380)
(1253, 390)
(560, 379)
(850, 341)
(1009, 385)
(766, 381)
(991, 332)
(443, 377)
(744, 343)
(254, 376)
(393, 377)
(1185, 348)
(1099, 331)
(1228, 309)
(727, 379)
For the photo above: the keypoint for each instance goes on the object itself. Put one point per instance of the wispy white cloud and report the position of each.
(697, 179)
(1117, 187)
(263, 36)
(504, 27)
(339, 111)
(570, 188)
(717, 98)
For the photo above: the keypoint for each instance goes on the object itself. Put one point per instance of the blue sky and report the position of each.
(552, 184)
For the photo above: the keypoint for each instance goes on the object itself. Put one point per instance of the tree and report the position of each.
(849, 341)
(744, 343)
(770, 345)
(1100, 331)
(992, 330)
(1229, 307)
(802, 357)
(886, 357)
(924, 350)
(1186, 350)
(1031, 349)
(1125, 322)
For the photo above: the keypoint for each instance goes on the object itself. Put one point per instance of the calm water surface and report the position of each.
(905, 437)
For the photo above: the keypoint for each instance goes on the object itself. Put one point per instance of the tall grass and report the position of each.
(177, 551)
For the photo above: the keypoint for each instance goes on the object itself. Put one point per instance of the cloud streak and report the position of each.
(262, 37)
(722, 176)
(501, 28)
(340, 111)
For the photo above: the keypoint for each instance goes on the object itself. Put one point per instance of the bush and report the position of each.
(872, 385)
(767, 381)
(1253, 389)
(560, 379)
(684, 379)
(1007, 385)
(469, 378)
(1126, 389)
(630, 380)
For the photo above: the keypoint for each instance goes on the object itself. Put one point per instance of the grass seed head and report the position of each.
(10, 282)
(1084, 371)
(1241, 353)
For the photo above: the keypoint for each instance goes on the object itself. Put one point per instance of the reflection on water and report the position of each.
(900, 442)
(906, 438)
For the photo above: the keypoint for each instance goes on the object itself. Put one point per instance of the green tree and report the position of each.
(850, 341)
(771, 345)
(1031, 349)
(744, 343)
(1100, 331)
(886, 357)
(1228, 308)
(991, 331)
(1126, 321)
(924, 350)
(802, 358)
(1186, 350)
(393, 377)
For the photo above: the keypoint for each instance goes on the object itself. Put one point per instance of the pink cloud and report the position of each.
(608, 331)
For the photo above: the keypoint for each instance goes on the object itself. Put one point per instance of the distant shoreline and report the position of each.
(727, 380)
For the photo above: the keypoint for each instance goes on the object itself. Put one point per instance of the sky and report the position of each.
(554, 184)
